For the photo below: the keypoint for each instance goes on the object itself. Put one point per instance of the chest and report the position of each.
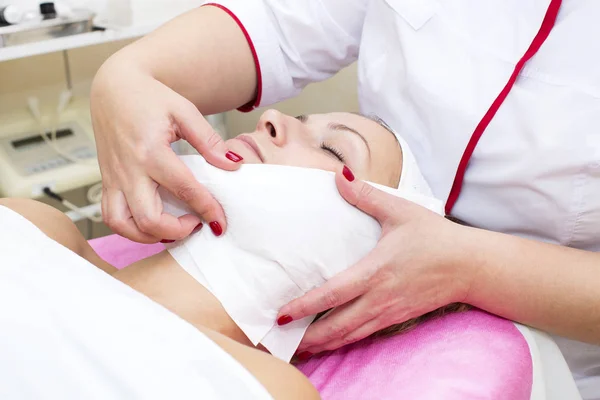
(432, 68)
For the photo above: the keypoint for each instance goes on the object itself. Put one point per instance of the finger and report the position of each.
(340, 289)
(118, 218)
(377, 203)
(361, 332)
(180, 181)
(337, 324)
(195, 129)
(147, 211)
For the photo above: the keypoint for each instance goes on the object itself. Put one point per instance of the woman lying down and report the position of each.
(70, 330)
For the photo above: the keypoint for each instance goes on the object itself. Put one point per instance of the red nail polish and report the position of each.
(167, 241)
(197, 228)
(233, 156)
(216, 228)
(305, 355)
(348, 174)
(284, 320)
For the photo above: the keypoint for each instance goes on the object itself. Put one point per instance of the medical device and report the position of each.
(10, 15)
(64, 158)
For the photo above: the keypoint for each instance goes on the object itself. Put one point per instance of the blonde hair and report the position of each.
(406, 326)
(412, 323)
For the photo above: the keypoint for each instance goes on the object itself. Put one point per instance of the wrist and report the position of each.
(468, 261)
(475, 262)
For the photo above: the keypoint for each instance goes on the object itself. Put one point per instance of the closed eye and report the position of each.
(334, 152)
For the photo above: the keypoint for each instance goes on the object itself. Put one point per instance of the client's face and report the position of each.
(323, 141)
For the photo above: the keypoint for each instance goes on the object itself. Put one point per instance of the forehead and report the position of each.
(373, 132)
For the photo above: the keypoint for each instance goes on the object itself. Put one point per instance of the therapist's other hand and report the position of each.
(414, 269)
(135, 119)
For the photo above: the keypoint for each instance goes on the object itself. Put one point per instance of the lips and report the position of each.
(251, 144)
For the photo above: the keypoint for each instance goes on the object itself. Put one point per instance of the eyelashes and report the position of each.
(333, 151)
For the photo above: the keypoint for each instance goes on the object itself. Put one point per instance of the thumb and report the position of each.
(196, 130)
(365, 197)
(340, 289)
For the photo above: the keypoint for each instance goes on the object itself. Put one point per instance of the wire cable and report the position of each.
(53, 195)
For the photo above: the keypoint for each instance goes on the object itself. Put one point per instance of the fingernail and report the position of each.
(216, 228)
(233, 156)
(197, 228)
(167, 241)
(348, 174)
(305, 355)
(284, 320)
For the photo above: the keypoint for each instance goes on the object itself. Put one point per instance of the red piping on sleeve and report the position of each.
(540, 38)
(253, 104)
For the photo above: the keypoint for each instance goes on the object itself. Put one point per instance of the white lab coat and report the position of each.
(431, 69)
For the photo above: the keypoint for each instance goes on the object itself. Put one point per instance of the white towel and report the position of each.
(289, 231)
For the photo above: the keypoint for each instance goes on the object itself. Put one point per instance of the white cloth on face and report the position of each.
(431, 69)
(71, 331)
(411, 179)
(289, 231)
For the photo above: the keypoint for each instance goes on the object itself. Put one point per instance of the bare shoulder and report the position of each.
(57, 226)
(282, 380)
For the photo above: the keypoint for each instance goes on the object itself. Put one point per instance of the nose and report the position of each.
(275, 125)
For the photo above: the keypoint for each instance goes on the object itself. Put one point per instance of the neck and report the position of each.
(160, 278)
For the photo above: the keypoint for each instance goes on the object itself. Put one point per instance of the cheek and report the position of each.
(306, 159)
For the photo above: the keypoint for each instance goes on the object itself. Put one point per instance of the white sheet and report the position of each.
(69, 331)
(552, 379)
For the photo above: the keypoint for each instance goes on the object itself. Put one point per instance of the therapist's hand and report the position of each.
(415, 268)
(135, 119)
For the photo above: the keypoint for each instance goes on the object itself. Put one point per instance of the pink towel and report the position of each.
(472, 355)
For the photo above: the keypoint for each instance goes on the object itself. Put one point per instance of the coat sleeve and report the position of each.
(296, 42)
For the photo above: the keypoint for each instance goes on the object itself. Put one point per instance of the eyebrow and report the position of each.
(340, 127)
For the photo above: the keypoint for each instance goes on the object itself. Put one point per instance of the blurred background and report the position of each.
(49, 54)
